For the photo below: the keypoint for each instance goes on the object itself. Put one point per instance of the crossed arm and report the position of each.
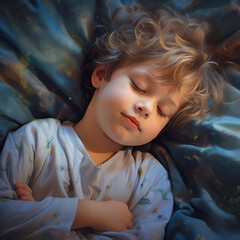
(98, 215)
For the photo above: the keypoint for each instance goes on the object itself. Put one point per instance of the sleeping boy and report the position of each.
(150, 72)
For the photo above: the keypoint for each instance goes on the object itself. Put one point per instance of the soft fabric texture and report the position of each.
(42, 46)
(53, 161)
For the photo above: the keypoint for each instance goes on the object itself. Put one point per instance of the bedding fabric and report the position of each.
(41, 52)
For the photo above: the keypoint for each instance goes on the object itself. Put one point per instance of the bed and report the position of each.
(42, 47)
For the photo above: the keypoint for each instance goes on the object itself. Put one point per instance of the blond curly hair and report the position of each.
(177, 44)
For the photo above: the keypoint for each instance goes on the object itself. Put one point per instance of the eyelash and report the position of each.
(160, 112)
(134, 86)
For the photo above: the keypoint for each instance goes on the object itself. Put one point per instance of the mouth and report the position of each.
(132, 121)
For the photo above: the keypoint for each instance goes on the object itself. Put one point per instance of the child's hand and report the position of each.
(103, 215)
(24, 192)
(112, 216)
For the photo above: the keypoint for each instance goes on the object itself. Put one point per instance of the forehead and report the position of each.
(150, 69)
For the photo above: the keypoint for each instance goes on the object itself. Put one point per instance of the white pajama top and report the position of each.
(52, 160)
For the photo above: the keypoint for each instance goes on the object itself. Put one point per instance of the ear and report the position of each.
(98, 76)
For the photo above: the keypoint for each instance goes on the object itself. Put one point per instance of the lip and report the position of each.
(132, 121)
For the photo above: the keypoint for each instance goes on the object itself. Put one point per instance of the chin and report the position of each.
(125, 138)
(130, 143)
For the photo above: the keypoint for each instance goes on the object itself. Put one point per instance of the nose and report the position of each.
(143, 110)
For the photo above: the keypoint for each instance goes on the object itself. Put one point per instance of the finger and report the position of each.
(23, 186)
(130, 225)
(22, 192)
(24, 195)
(27, 198)
(18, 185)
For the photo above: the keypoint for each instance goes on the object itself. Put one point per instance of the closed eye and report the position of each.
(135, 87)
(160, 112)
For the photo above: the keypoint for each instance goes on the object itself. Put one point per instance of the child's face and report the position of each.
(131, 108)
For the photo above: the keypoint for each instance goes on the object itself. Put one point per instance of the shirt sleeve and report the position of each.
(50, 218)
(151, 204)
(154, 208)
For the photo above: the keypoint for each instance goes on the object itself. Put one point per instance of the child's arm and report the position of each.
(98, 215)
(50, 217)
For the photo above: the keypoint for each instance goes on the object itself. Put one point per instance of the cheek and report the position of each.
(113, 98)
(155, 127)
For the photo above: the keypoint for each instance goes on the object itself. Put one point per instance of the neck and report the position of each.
(98, 145)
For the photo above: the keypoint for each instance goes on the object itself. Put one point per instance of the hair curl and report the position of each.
(176, 44)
